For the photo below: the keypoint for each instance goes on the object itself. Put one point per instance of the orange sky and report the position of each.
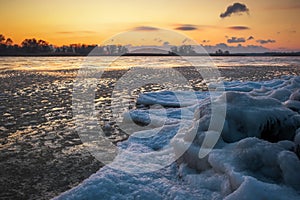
(92, 21)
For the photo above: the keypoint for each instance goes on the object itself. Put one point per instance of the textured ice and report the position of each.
(255, 157)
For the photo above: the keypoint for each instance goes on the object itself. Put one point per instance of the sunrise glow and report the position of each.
(270, 23)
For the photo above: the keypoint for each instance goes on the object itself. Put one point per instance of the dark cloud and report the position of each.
(205, 41)
(235, 8)
(186, 27)
(265, 41)
(238, 27)
(236, 40)
(145, 28)
(250, 38)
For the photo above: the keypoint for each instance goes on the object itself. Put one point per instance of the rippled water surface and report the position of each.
(63, 63)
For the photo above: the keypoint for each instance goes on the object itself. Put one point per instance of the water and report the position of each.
(65, 63)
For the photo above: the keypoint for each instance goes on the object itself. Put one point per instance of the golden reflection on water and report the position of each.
(47, 64)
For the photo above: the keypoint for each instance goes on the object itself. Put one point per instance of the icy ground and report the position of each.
(254, 158)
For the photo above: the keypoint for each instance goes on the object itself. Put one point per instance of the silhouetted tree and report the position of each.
(43, 46)
(174, 49)
(219, 52)
(35, 46)
(2, 38)
(186, 49)
(226, 52)
(2, 44)
(101, 50)
(9, 42)
(122, 49)
(111, 49)
(30, 45)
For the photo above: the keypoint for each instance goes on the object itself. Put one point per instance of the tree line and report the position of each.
(35, 46)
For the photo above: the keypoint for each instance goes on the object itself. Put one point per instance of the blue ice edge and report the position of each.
(241, 166)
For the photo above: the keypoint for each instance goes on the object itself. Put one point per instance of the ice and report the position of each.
(295, 96)
(255, 157)
(281, 94)
(253, 189)
(261, 117)
(297, 137)
(289, 164)
(171, 98)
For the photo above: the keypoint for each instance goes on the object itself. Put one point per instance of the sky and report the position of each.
(273, 24)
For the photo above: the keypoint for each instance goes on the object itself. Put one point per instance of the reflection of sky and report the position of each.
(59, 63)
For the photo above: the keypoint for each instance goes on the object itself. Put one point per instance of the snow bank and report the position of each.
(254, 158)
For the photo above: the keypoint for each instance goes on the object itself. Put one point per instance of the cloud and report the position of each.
(265, 41)
(238, 28)
(186, 27)
(234, 9)
(285, 7)
(236, 40)
(65, 32)
(145, 28)
(205, 41)
(76, 32)
(250, 38)
(287, 31)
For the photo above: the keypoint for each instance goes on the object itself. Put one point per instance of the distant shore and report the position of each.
(66, 54)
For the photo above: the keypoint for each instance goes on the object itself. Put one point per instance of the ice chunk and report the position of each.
(295, 96)
(253, 189)
(290, 166)
(171, 98)
(281, 94)
(293, 105)
(249, 116)
(297, 137)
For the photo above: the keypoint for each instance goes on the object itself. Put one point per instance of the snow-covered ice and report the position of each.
(254, 157)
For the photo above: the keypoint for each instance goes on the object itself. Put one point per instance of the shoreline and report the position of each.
(266, 54)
